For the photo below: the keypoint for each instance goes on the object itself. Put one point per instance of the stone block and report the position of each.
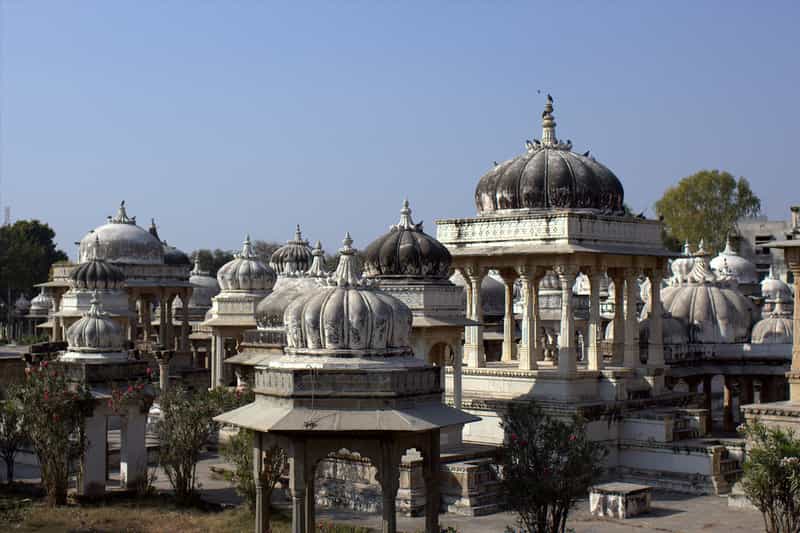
(619, 500)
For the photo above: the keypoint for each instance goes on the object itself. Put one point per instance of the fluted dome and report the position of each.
(246, 273)
(41, 304)
(713, 310)
(204, 287)
(406, 252)
(347, 317)
(773, 288)
(97, 274)
(730, 263)
(95, 332)
(293, 258)
(549, 175)
(776, 328)
(122, 241)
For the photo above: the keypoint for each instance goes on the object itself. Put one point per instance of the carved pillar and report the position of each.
(631, 350)
(297, 486)
(390, 483)
(134, 318)
(509, 346)
(595, 355)
(431, 475)
(163, 358)
(187, 294)
(258, 466)
(567, 365)
(727, 405)
(162, 322)
(793, 259)
(618, 345)
(473, 349)
(310, 499)
(527, 344)
(146, 305)
(655, 349)
(745, 390)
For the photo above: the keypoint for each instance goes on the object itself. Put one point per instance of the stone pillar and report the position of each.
(133, 449)
(567, 364)
(134, 319)
(527, 344)
(707, 392)
(473, 348)
(310, 500)
(595, 355)
(146, 306)
(258, 466)
(93, 471)
(618, 345)
(727, 405)
(793, 260)
(509, 346)
(390, 483)
(458, 360)
(297, 487)
(431, 475)
(162, 321)
(164, 358)
(631, 349)
(216, 364)
(655, 348)
(187, 295)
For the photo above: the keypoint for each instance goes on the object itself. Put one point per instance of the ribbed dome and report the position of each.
(776, 328)
(41, 304)
(713, 311)
(730, 263)
(406, 252)
(773, 288)
(95, 332)
(549, 175)
(97, 274)
(293, 258)
(347, 317)
(122, 241)
(246, 273)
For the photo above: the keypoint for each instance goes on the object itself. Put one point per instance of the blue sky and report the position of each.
(221, 118)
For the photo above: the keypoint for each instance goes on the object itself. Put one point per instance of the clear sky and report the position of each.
(221, 118)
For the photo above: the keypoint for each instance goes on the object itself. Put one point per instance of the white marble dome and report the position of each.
(776, 327)
(122, 241)
(347, 317)
(204, 287)
(773, 288)
(682, 266)
(293, 258)
(730, 263)
(95, 332)
(41, 304)
(246, 272)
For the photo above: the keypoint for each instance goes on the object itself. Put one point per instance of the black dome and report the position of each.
(97, 274)
(549, 175)
(294, 257)
(406, 252)
(175, 257)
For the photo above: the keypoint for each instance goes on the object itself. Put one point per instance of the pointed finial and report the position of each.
(701, 248)
(317, 268)
(405, 216)
(346, 273)
(728, 247)
(347, 241)
(247, 250)
(298, 236)
(771, 274)
(95, 307)
(687, 250)
(548, 124)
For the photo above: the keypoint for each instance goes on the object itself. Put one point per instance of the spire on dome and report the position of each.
(122, 216)
(95, 251)
(728, 247)
(548, 124)
(154, 229)
(406, 221)
(95, 307)
(346, 274)
(317, 268)
(247, 249)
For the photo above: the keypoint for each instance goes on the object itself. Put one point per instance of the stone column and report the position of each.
(93, 472)
(310, 500)
(297, 487)
(187, 295)
(727, 405)
(631, 349)
(134, 319)
(567, 365)
(618, 345)
(595, 355)
(707, 391)
(527, 353)
(146, 306)
(655, 348)
(431, 475)
(133, 449)
(473, 349)
(745, 390)
(458, 360)
(258, 466)
(793, 261)
(509, 346)
(163, 358)
(390, 483)
(162, 320)
(218, 358)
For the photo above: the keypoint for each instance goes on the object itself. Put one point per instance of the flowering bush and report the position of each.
(547, 465)
(54, 414)
(771, 478)
(12, 432)
(131, 394)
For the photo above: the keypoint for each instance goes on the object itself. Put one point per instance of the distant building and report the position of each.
(755, 232)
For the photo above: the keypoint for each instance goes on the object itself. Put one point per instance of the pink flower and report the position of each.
(140, 386)
(149, 371)
(572, 438)
(110, 404)
(130, 388)
(514, 437)
(44, 364)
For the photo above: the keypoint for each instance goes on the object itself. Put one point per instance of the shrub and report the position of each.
(54, 413)
(771, 478)
(12, 434)
(547, 465)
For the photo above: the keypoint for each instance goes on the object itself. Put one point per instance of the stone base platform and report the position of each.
(619, 500)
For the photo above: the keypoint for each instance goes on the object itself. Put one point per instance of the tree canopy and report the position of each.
(706, 205)
(211, 260)
(27, 250)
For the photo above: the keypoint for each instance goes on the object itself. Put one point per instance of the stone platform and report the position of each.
(619, 500)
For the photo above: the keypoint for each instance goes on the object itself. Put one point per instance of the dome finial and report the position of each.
(317, 268)
(247, 249)
(728, 246)
(298, 236)
(548, 124)
(405, 217)
(94, 252)
(122, 216)
(346, 273)
(687, 250)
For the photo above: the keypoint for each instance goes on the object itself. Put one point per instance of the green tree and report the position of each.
(211, 261)
(706, 206)
(547, 465)
(771, 479)
(27, 250)
(264, 250)
(12, 431)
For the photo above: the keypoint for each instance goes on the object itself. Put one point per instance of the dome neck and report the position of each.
(122, 216)
(317, 268)
(346, 274)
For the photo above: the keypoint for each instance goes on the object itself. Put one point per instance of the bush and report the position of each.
(771, 478)
(12, 432)
(54, 413)
(547, 465)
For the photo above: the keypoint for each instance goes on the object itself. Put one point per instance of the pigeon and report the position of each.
(586, 153)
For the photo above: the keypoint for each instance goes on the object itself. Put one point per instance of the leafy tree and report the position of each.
(706, 206)
(548, 464)
(211, 261)
(264, 250)
(12, 432)
(771, 478)
(54, 411)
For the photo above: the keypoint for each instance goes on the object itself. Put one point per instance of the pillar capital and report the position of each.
(566, 271)
(475, 272)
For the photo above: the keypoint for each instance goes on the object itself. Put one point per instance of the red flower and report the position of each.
(44, 364)
(140, 386)
(130, 388)
(514, 437)
(523, 442)
(149, 371)
(572, 438)
(46, 396)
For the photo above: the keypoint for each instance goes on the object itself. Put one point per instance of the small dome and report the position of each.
(682, 266)
(347, 317)
(175, 257)
(95, 332)
(97, 274)
(776, 328)
(406, 252)
(730, 263)
(246, 273)
(204, 288)
(773, 288)
(549, 175)
(292, 258)
(493, 292)
(22, 305)
(122, 241)
(41, 304)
